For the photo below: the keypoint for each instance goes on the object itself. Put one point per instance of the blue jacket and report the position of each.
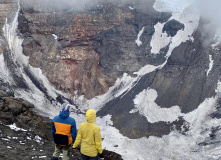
(64, 125)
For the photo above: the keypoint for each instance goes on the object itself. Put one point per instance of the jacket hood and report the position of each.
(64, 115)
(91, 116)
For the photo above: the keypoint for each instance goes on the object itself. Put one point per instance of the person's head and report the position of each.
(65, 107)
(91, 116)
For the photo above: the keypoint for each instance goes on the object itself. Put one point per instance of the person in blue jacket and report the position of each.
(63, 129)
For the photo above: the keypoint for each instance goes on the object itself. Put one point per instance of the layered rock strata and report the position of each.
(86, 51)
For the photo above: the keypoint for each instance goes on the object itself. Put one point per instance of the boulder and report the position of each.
(27, 104)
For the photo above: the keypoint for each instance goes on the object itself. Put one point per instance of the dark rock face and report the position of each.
(116, 56)
(185, 75)
(86, 51)
(34, 141)
(172, 27)
(19, 111)
(183, 81)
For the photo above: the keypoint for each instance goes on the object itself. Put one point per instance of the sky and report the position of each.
(210, 9)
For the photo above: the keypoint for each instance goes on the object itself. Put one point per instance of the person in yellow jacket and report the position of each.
(90, 137)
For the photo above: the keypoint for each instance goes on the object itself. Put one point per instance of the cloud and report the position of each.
(210, 11)
(58, 5)
(77, 5)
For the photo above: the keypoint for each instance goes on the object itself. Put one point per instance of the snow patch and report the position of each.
(42, 157)
(5, 139)
(14, 127)
(55, 36)
(38, 157)
(210, 65)
(138, 37)
(145, 105)
(146, 69)
(131, 8)
(159, 39)
(38, 139)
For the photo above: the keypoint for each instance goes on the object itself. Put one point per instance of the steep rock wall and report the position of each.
(183, 81)
(86, 51)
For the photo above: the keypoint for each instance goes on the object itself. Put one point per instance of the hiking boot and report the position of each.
(54, 158)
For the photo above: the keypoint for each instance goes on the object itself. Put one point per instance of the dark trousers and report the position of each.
(84, 157)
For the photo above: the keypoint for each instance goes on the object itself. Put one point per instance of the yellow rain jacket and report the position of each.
(89, 136)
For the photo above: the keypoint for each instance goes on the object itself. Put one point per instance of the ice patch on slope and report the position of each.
(210, 65)
(155, 44)
(131, 8)
(55, 36)
(145, 105)
(14, 127)
(138, 37)
(146, 69)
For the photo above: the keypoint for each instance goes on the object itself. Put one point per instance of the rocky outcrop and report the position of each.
(172, 27)
(20, 112)
(86, 51)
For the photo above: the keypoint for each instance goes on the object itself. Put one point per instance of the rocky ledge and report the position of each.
(26, 135)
